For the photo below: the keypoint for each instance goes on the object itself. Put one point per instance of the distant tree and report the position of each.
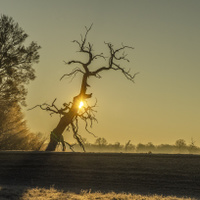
(127, 145)
(150, 147)
(140, 148)
(165, 148)
(145, 148)
(118, 147)
(101, 141)
(130, 148)
(78, 109)
(192, 147)
(15, 61)
(181, 145)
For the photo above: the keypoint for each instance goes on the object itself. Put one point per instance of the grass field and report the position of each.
(44, 175)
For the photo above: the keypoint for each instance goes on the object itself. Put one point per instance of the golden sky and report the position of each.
(164, 103)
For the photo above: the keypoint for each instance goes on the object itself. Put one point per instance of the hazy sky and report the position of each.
(164, 103)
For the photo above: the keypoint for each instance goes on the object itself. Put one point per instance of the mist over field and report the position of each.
(101, 145)
(77, 74)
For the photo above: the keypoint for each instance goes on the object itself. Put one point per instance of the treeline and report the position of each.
(101, 145)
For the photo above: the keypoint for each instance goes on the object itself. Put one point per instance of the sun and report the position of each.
(81, 104)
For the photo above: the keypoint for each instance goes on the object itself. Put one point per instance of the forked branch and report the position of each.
(115, 56)
(53, 108)
(71, 113)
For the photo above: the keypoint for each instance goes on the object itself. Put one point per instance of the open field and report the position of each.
(142, 174)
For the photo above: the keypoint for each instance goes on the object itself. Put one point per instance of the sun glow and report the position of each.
(81, 104)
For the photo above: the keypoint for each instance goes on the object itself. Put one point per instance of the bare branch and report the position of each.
(115, 56)
(46, 107)
(85, 37)
(74, 62)
(76, 41)
(88, 116)
(99, 56)
(73, 73)
(71, 146)
(52, 108)
(127, 74)
(76, 135)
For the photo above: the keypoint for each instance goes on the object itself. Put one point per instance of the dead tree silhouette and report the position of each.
(71, 113)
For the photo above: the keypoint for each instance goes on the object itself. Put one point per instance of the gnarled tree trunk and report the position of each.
(70, 113)
(67, 118)
(56, 134)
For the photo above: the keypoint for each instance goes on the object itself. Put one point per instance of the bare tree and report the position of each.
(79, 108)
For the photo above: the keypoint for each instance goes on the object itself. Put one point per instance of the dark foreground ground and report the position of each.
(177, 175)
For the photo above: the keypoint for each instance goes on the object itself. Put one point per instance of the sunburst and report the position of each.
(81, 105)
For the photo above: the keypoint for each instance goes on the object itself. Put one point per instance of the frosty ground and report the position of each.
(100, 173)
